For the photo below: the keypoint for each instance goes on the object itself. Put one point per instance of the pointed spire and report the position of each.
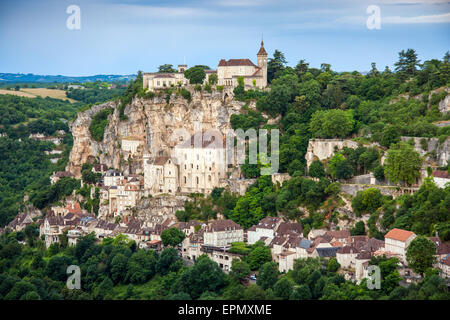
(262, 51)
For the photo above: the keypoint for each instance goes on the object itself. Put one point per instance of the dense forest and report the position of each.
(25, 168)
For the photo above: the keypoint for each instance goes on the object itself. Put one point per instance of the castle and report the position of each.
(227, 73)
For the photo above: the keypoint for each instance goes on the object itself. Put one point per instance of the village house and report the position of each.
(265, 228)
(160, 80)
(346, 256)
(104, 229)
(441, 178)
(112, 178)
(189, 227)
(20, 222)
(442, 248)
(52, 228)
(222, 233)
(444, 266)
(191, 245)
(397, 242)
(122, 196)
(73, 235)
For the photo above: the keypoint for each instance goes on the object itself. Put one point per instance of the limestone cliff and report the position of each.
(152, 121)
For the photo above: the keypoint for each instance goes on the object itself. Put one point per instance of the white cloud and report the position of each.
(160, 12)
(437, 18)
(411, 1)
(242, 3)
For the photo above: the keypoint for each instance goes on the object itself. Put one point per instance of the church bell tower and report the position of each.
(262, 62)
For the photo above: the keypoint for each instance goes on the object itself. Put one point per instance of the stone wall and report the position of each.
(322, 149)
(352, 189)
(237, 185)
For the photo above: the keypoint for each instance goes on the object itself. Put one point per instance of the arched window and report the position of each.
(185, 180)
(197, 180)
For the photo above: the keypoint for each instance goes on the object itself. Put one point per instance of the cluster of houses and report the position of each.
(117, 192)
(285, 239)
(287, 244)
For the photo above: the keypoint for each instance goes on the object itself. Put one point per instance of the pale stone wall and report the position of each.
(322, 149)
(254, 236)
(223, 238)
(130, 145)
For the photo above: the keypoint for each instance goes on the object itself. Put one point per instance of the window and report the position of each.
(197, 180)
(209, 178)
(185, 180)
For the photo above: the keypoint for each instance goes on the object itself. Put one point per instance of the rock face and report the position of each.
(322, 149)
(153, 122)
(435, 152)
(444, 105)
(84, 147)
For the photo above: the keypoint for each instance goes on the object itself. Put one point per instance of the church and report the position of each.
(228, 72)
(197, 165)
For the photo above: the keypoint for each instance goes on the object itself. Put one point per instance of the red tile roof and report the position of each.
(399, 234)
(236, 62)
(441, 174)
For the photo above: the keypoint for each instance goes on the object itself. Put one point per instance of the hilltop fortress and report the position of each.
(228, 72)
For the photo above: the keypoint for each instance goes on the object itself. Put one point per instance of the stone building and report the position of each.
(160, 175)
(197, 165)
(222, 233)
(228, 72)
(397, 242)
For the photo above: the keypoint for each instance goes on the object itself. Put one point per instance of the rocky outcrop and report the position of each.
(84, 148)
(153, 122)
(431, 149)
(322, 149)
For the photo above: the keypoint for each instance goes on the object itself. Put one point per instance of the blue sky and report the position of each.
(121, 37)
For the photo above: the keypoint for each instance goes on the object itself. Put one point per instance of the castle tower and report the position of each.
(262, 62)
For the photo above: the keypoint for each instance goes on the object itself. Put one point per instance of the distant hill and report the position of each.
(30, 77)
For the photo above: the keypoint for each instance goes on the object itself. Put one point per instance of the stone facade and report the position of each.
(323, 149)
(228, 72)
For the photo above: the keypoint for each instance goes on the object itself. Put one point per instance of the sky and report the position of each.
(122, 37)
